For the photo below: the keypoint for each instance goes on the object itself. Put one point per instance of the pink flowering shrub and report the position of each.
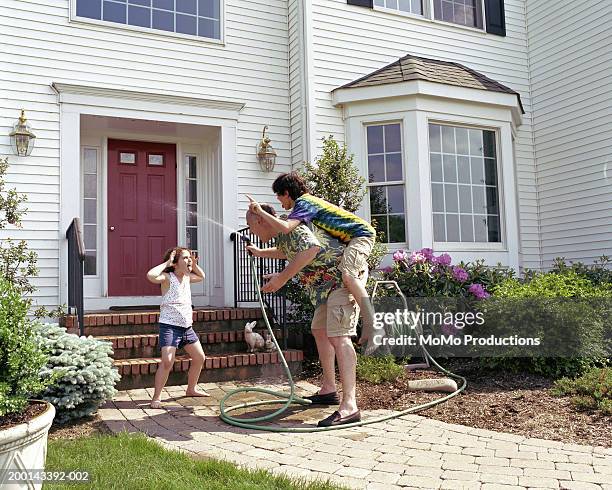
(422, 273)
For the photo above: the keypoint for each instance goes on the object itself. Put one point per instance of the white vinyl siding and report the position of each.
(296, 74)
(571, 68)
(40, 46)
(350, 42)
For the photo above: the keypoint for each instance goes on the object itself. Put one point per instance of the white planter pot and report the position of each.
(24, 447)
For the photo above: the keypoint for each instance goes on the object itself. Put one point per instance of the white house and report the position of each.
(483, 126)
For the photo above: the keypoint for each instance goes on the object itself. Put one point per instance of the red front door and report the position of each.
(141, 213)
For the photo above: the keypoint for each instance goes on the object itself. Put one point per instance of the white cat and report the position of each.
(253, 339)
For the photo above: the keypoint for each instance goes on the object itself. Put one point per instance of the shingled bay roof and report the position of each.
(416, 68)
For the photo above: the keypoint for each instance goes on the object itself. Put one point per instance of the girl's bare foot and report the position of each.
(156, 404)
(196, 392)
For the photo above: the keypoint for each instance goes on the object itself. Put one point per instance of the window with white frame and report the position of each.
(90, 210)
(464, 184)
(191, 201)
(200, 18)
(463, 12)
(386, 181)
(408, 6)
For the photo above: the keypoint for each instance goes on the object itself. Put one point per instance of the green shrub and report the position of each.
(553, 285)
(600, 272)
(21, 359)
(422, 274)
(563, 309)
(83, 368)
(378, 369)
(335, 178)
(591, 391)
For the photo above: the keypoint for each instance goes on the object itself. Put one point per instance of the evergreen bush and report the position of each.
(83, 370)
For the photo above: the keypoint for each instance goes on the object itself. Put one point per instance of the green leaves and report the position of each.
(378, 369)
(591, 391)
(334, 177)
(21, 359)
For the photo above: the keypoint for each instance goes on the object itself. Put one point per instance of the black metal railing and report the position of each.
(76, 260)
(244, 286)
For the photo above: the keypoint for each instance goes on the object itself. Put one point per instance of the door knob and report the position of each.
(112, 228)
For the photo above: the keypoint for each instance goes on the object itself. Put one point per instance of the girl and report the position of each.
(175, 276)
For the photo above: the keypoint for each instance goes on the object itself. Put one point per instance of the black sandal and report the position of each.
(327, 399)
(336, 419)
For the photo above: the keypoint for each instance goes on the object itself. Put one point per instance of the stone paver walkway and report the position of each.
(409, 452)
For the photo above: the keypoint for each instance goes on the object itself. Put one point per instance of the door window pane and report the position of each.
(191, 201)
(89, 199)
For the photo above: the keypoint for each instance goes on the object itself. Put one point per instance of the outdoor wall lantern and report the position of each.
(265, 153)
(22, 139)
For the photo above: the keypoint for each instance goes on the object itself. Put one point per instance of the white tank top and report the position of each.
(175, 308)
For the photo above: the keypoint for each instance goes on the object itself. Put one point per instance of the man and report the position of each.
(356, 233)
(315, 261)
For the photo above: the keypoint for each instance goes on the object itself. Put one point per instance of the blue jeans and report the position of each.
(173, 336)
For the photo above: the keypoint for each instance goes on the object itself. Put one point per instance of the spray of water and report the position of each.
(181, 211)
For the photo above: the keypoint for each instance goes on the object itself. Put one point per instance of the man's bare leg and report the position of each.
(347, 363)
(327, 355)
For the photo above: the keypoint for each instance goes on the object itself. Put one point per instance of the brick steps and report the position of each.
(145, 322)
(146, 345)
(134, 337)
(140, 372)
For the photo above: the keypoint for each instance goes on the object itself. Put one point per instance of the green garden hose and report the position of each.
(287, 399)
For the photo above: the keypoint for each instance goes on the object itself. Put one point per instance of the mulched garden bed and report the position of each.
(32, 410)
(504, 402)
(87, 426)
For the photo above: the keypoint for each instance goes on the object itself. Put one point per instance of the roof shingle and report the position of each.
(412, 67)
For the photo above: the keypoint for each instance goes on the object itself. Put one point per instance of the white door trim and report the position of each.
(75, 101)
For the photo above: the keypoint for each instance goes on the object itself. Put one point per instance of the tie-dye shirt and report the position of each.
(336, 221)
(321, 276)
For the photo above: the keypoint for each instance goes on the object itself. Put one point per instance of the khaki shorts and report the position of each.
(339, 315)
(354, 261)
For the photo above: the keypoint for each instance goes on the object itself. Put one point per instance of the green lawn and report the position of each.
(133, 462)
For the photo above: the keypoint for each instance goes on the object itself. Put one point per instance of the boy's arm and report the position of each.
(267, 253)
(301, 260)
(277, 224)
